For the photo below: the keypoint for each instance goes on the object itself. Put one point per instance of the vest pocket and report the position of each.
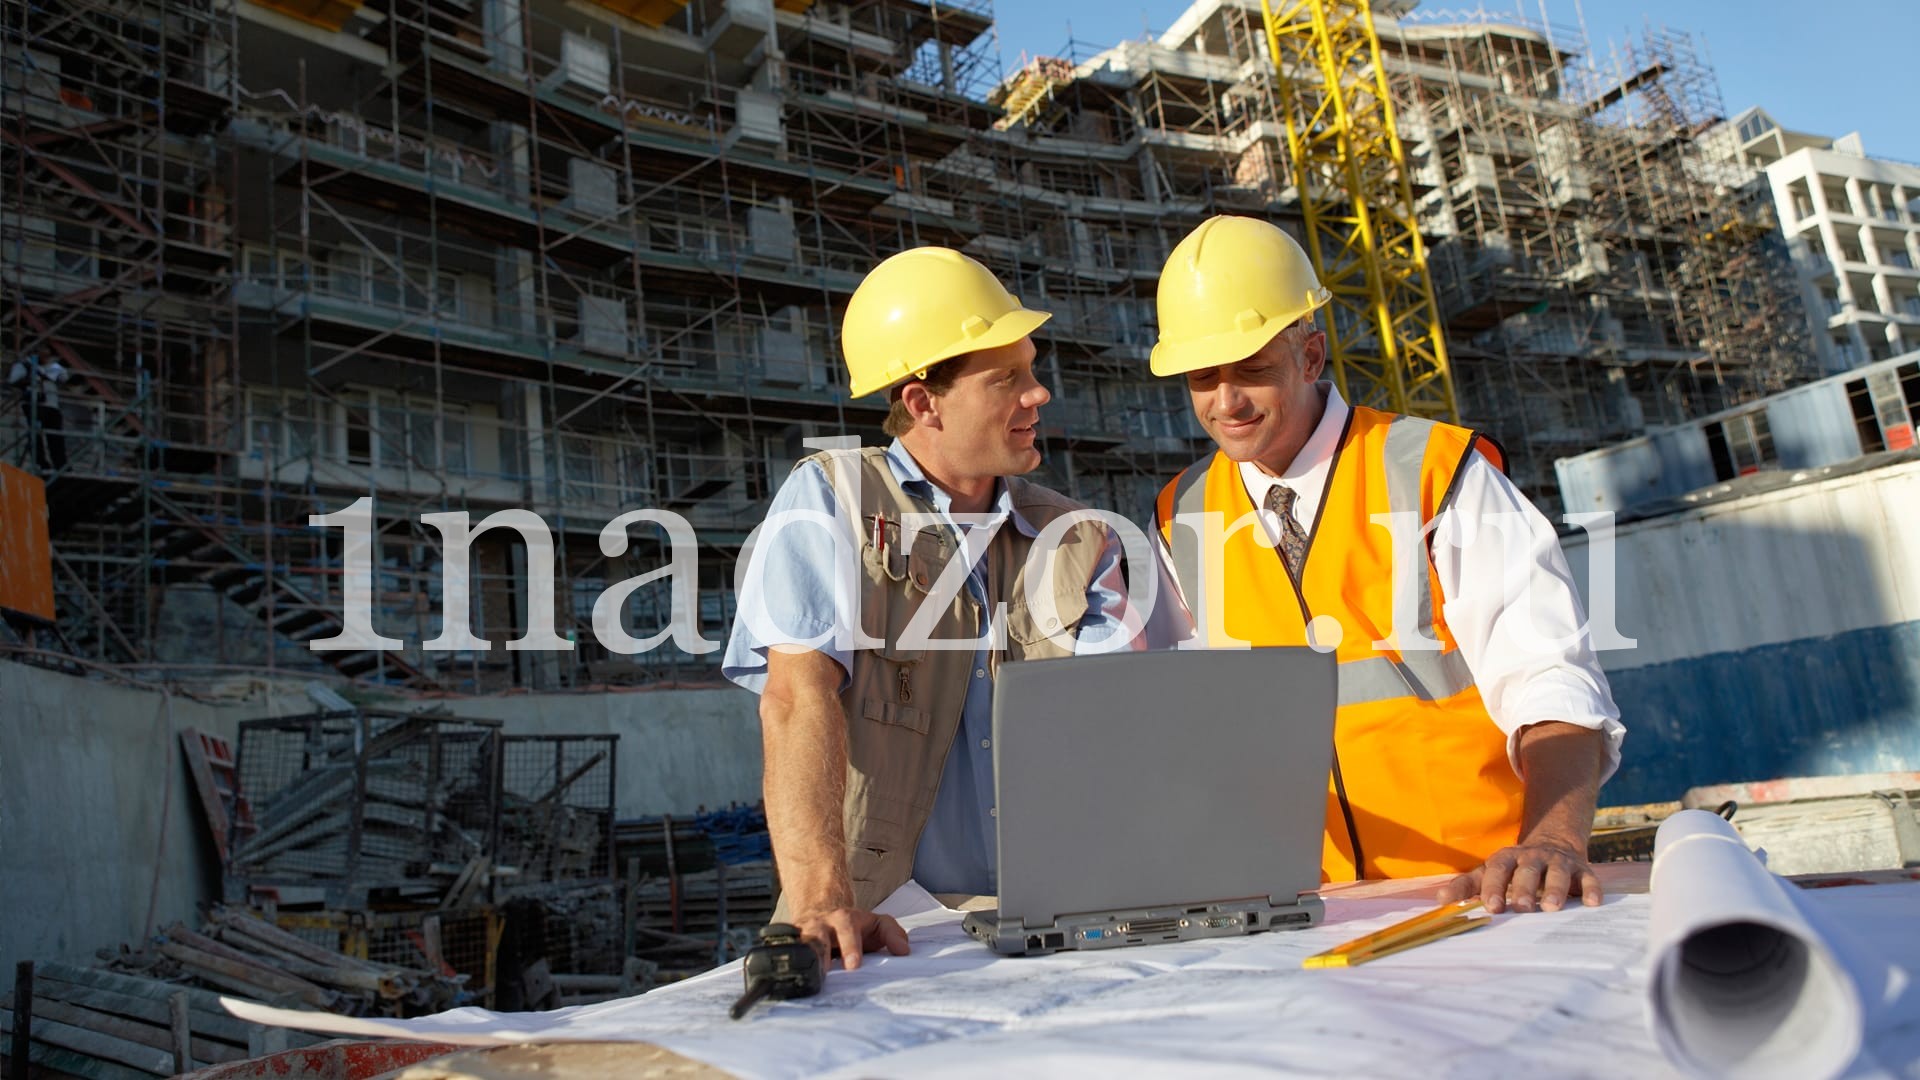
(874, 840)
(933, 548)
(1029, 626)
(906, 716)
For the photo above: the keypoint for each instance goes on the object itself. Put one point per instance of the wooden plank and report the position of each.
(23, 998)
(219, 1026)
(94, 1044)
(69, 1063)
(132, 985)
(133, 1031)
(183, 1044)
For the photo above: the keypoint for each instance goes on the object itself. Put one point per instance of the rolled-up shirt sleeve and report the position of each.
(791, 593)
(1114, 621)
(1511, 604)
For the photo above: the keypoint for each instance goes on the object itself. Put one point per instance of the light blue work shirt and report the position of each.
(791, 571)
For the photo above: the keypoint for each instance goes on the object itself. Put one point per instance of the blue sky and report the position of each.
(1852, 74)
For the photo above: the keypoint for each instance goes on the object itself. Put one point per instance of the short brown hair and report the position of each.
(939, 379)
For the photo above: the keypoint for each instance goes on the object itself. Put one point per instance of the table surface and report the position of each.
(568, 1061)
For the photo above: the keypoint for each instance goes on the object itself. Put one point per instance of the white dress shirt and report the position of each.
(1507, 594)
(34, 377)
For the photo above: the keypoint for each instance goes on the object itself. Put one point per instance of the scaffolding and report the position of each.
(582, 259)
(529, 255)
(532, 256)
(1597, 270)
(116, 233)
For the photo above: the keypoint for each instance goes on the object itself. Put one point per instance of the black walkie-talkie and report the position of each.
(780, 967)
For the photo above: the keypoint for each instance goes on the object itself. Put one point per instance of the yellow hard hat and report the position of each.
(1229, 288)
(923, 306)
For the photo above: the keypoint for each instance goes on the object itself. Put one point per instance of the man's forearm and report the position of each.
(1560, 764)
(804, 737)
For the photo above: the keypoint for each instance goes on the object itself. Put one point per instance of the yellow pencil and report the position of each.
(1442, 922)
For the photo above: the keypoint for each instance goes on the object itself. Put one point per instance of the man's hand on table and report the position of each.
(851, 932)
(1561, 766)
(1538, 872)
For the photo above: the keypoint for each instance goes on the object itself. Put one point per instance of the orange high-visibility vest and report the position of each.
(1420, 783)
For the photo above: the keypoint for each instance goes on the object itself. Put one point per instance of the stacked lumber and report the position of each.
(108, 1025)
(240, 953)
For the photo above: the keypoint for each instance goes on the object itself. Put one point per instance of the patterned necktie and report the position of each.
(1293, 539)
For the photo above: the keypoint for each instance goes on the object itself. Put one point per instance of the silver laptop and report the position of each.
(1158, 796)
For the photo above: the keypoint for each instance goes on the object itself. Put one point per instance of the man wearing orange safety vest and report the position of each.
(1474, 729)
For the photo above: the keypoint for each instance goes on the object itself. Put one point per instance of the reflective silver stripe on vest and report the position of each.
(1424, 676)
(1190, 500)
(1404, 457)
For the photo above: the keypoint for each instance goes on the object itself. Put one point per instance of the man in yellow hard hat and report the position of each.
(875, 667)
(1474, 726)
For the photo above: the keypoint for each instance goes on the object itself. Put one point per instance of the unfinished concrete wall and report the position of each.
(1777, 635)
(97, 814)
(679, 749)
(98, 817)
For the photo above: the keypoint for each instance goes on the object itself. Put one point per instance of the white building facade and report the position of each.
(1853, 225)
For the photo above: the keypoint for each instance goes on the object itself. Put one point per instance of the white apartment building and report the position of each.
(1852, 223)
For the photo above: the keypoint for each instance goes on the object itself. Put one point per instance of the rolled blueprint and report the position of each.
(1741, 983)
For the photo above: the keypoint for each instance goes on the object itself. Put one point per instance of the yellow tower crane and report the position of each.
(1350, 170)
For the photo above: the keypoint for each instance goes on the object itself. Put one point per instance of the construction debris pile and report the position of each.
(93, 1023)
(156, 1010)
(420, 859)
(240, 952)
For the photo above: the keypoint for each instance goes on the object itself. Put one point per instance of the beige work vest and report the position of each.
(903, 704)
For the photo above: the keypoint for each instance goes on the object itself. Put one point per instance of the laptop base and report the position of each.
(1111, 930)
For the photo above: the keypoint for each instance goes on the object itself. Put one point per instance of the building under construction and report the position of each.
(585, 258)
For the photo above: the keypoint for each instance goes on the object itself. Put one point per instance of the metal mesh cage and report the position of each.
(447, 942)
(450, 942)
(362, 800)
(556, 810)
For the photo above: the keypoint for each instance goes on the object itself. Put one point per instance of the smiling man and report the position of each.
(1475, 726)
(875, 667)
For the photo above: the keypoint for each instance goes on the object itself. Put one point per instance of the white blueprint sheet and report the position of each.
(1558, 994)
